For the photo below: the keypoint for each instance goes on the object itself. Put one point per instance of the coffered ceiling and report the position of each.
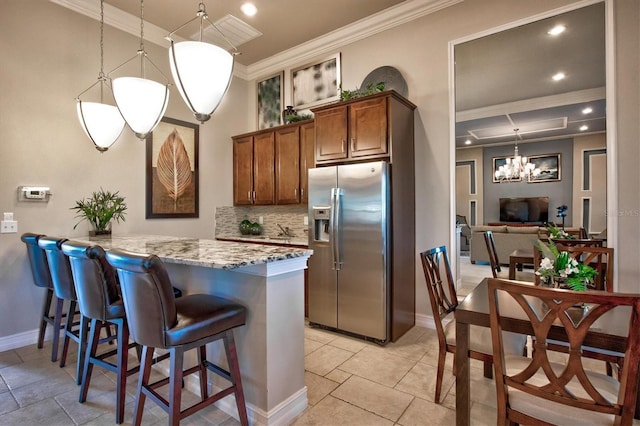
(504, 81)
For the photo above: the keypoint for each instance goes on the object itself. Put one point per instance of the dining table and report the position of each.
(608, 332)
(517, 258)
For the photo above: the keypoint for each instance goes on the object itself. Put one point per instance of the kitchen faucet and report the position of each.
(285, 231)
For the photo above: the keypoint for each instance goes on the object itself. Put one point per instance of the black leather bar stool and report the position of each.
(158, 320)
(63, 286)
(100, 302)
(42, 278)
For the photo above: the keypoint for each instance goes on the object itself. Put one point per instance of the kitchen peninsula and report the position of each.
(269, 281)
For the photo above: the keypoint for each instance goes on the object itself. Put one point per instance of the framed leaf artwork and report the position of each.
(172, 170)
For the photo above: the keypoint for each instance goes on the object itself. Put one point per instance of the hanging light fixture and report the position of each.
(517, 168)
(201, 71)
(142, 102)
(101, 122)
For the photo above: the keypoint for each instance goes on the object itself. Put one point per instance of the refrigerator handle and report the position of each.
(332, 225)
(336, 249)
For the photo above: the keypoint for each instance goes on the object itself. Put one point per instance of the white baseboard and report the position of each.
(425, 321)
(20, 340)
(283, 413)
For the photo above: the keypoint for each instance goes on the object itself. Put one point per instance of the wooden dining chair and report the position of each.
(444, 299)
(535, 390)
(496, 270)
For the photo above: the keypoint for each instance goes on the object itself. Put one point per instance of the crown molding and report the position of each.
(328, 43)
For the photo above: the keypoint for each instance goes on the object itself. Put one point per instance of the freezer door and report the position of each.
(323, 294)
(363, 277)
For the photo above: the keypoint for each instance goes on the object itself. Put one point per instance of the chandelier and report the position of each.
(517, 168)
(202, 71)
(101, 122)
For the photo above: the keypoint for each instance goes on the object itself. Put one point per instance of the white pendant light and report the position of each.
(142, 102)
(101, 122)
(201, 71)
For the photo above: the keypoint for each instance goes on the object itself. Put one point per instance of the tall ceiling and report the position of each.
(283, 23)
(503, 81)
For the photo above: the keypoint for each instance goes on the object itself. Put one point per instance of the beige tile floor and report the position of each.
(349, 382)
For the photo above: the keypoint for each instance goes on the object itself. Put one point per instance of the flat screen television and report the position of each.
(529, 209)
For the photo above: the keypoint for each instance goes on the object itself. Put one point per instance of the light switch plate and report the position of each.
(8, 226)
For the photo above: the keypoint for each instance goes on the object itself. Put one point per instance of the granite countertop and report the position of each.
(281, 240)
(200, 252)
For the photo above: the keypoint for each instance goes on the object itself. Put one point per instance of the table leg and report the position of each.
(463, 380)
(512, 270)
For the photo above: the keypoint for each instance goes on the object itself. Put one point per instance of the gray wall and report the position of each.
(559, 193)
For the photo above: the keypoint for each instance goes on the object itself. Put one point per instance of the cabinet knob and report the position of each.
(249, 196)
(342, 146)
(353, 143)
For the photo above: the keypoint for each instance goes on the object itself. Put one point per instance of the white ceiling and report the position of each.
(283, 23)
(502, 80)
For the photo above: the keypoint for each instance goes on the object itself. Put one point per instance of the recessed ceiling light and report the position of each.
(467, 142)
(583, 128)
(559, 76)
(558, 29)
(587, 110)
(248, 9)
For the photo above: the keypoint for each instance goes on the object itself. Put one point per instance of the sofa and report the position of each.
(507, 238)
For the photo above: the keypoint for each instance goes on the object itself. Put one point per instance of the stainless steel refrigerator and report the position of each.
(349, 271)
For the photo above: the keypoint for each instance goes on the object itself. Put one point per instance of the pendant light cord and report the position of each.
(141, 51)
(101, 76)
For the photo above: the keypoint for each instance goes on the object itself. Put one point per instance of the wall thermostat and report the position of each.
(34, 193)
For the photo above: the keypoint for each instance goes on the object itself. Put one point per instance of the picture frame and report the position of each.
(497, 162)
(316, 83)
(167, 197)
(270, 100)
(550, 166)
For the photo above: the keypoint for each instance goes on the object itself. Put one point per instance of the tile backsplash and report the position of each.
(228, 219)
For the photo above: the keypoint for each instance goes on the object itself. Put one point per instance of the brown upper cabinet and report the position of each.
(270, 166)
(361, 129)
(307, 157)
(253, 169)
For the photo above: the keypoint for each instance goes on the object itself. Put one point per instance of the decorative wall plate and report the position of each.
(391, 77)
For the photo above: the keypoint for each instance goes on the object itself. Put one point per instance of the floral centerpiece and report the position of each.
(559, 269)
(558, 233)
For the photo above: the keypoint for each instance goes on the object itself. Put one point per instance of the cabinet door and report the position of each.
(307, 158)
(263, 168)
(368, 128)
(243, 171)
(331, 134)
(287, 165)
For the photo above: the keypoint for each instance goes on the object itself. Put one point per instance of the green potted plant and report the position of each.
(99, 210)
